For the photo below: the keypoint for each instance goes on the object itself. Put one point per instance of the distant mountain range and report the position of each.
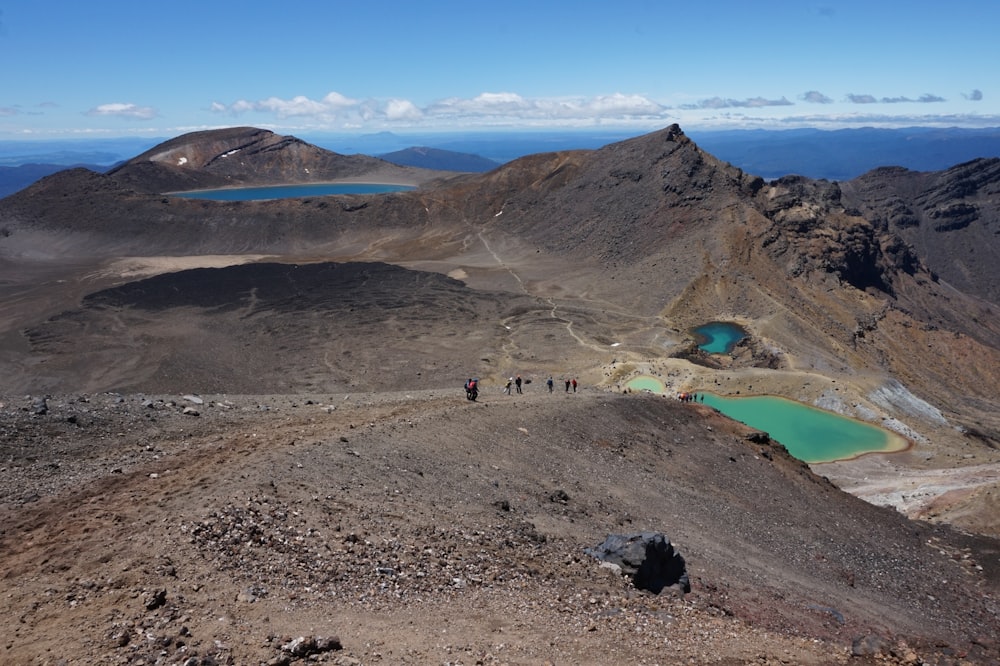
(848, 153)
(446, 160)
(821, 154)
(14, 178)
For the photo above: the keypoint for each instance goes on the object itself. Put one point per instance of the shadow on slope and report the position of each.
(272, 328)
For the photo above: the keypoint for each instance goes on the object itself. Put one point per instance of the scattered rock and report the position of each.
(155, 599)
(868, 646)
(648, 558)
(306, 646)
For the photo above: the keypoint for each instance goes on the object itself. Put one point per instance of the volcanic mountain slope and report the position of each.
(632, 243)
(419, 529)
(644, 238)
(629, 245)
(250, 156)
(586, 264)
(273, 327)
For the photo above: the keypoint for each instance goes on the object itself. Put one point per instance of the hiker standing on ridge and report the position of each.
(548, 382)
(517, 383)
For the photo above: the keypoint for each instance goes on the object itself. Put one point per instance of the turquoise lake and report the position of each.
(718, 337)
(290, 191)
(810, 434)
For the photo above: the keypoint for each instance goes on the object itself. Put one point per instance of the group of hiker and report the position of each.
(569, 382)
(515, 384)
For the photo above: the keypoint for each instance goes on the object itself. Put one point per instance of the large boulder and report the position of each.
(648, 558)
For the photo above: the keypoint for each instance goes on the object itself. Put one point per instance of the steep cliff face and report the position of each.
(812, 230)
(951, 218)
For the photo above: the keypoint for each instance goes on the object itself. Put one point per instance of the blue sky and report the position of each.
(154, 68)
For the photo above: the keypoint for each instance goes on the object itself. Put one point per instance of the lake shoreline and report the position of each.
(893, 442)
(377, 182)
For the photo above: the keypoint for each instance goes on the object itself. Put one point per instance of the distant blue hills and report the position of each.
(832, 155)
(848, 153)
(435, 158)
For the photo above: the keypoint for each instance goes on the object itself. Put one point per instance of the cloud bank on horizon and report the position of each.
(120, 67)
(337, 112)
(511, 109)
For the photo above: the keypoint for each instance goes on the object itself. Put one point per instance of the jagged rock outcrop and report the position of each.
(951, 218)
(648, 558)
(813, 231)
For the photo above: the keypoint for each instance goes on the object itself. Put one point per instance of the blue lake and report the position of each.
(810, 434)
(718, 337)
(290, 191)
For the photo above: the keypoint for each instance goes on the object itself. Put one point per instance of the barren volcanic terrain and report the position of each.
(234, 432)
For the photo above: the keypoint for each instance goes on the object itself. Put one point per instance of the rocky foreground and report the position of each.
(420, 528)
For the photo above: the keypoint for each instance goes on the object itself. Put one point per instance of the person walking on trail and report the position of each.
(472, 389)
(574, 385)
(506, 389)
(517, 384)
(548, 382)
(567, 386)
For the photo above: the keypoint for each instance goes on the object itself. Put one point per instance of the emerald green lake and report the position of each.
(810, 434)
(718, 337)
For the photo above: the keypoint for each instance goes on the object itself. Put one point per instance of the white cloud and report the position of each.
(488, 108)
(334, 100)
(484, 104)
(335, 111)
(861, 99)
(632, 105)
(242, 106)
(120, 110)
(816, 97)
(297, 106)
(402, 109)
(729, 103)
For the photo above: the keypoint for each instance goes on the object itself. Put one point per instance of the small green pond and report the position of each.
(647, 383)
(810, 434)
